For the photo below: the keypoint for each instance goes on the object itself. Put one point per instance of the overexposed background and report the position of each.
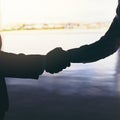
(45, 11)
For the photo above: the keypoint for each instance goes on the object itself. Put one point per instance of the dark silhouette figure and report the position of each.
(107, 45)
(27, 66)
(31, 66)
(117, 73)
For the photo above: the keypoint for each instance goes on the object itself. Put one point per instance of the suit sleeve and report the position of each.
(20, 65)
(118, 9)
(105, 46)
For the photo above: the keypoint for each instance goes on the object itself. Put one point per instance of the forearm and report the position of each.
(20, 65)
(104, 47)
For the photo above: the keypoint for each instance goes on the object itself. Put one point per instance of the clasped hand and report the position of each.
(56, 60)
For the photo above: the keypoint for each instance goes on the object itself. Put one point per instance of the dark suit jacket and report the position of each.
(107, 45)
(19, 66)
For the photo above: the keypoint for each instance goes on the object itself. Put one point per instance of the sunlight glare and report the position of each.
(42, 11)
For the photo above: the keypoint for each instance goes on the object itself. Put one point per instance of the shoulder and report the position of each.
(118, 9)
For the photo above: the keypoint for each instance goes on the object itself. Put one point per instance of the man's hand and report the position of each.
(56, 60)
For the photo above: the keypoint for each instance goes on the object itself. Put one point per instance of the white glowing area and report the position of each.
(39, 11)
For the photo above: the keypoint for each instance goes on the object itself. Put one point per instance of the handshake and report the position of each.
(56, 60)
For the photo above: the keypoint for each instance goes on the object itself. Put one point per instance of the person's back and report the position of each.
(118, 8)
(3, 93)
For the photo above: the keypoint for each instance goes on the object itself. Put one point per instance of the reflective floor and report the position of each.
(81, 92)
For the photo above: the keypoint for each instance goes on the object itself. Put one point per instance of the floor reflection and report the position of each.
(81, 92)
(117, 74)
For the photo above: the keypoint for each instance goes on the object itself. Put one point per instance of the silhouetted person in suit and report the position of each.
(107, 45)
(27, 66)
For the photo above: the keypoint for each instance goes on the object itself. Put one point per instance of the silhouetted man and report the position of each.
(27, 66)
(107, 45)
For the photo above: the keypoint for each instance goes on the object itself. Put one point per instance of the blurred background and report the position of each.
(82, 91)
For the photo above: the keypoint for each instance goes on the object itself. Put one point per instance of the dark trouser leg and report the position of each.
(2, 114)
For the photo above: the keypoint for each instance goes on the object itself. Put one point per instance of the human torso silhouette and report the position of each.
(118, 8)
(3, 92)
(19, 66)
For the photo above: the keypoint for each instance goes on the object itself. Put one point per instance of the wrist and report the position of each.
(44, 62)
(69, 54)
